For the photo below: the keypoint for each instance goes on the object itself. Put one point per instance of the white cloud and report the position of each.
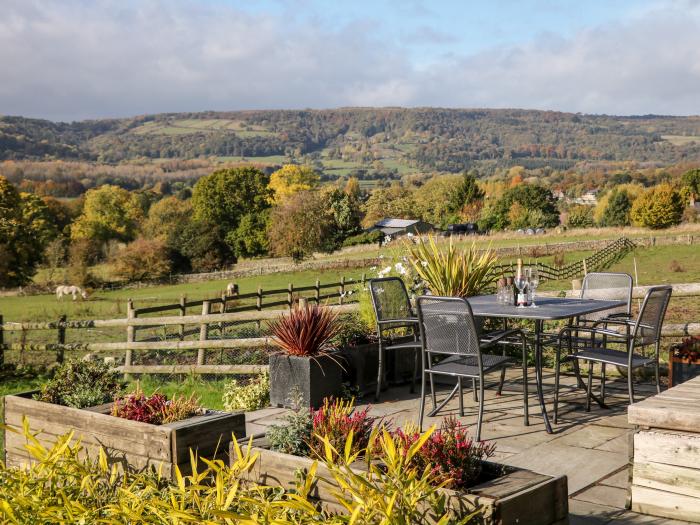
(77, 59)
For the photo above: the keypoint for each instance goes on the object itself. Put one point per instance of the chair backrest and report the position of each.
(447, 326)
(647, 329)
(607, 286)
(390, 299)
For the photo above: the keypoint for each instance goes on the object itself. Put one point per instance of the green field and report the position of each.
(190, 126)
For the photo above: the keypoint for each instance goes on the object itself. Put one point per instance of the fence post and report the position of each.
(61, 338)
(130, 336)
(203, 332)
(317, 292)
(290, 295)
(303, 302)
(341, 290)
(2, 342)
(258, 305)
(183, 312)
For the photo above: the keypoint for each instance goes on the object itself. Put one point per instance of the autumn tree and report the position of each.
(537, 201)
(299, 227)
(109, 212)
(291, 179)
(166, 216)
(226, 196)
(658, 207)
(397, 201)
(580, 216)
(617, 211)
(143, 259)
(20, 249)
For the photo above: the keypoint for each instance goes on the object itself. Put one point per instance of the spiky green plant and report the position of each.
(453, 272)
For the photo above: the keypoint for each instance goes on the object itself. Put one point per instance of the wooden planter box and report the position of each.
(666, 453)
(517, 496)
(134, 445)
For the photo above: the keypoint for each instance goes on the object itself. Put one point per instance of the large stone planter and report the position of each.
(132, 444)
(512, 496)
(361, 361)
(304, 380)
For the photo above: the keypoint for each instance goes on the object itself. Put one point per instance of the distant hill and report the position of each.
(383, 140)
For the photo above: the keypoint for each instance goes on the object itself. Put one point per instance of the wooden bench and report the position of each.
(666, 462)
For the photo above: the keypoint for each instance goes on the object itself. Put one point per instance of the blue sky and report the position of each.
(76, 59)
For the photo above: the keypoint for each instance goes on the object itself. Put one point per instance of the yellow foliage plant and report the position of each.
(453, 272)
(63, 485)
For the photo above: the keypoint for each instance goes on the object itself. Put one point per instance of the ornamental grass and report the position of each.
(306, 331)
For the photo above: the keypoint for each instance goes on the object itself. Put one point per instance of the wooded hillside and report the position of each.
(386, 140)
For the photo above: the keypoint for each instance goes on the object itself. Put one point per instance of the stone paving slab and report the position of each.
(604, 495)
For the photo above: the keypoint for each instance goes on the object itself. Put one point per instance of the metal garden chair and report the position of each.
(640, 333)
(392, 308)
(447, 330)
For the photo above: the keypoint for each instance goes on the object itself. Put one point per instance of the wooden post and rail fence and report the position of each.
(203, 322)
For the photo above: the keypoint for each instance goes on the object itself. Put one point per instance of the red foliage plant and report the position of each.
(453, 456)
(335, 420)
(305, 331)
(137, 406)
(155, 409)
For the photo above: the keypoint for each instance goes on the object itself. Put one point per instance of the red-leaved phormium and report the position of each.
(454, 457)
(305, 330)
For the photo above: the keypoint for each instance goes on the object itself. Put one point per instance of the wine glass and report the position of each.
(520, 282)
(534, 283)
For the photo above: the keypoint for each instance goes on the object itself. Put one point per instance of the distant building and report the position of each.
(590, 198)
(393, 228)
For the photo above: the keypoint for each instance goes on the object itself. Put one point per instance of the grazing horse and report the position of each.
(231, 289)
(75, 291)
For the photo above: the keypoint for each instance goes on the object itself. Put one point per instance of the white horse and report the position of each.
(231, 289)
(75, 291)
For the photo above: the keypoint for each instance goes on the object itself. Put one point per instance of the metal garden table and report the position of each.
(548, 309)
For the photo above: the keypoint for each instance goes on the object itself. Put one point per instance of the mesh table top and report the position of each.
(548, 308)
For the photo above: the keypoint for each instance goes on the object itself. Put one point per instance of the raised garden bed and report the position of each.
(132, 444)
(506, 495)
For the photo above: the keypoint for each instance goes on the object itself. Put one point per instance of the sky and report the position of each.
(80, 59)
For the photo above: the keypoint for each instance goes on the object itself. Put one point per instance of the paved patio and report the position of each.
(591, 448)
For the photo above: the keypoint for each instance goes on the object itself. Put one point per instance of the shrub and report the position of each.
(305, 331)
(372, 237)
(580, 216)
(335, 421)
(143, 259)
(658, 207)
(81, 384)
(249, 396)
(453, 457)
(64, 486)
(453, 272)
(294, 434)
(352, 330)
(155, 409)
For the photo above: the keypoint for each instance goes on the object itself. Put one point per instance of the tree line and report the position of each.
(244, 212)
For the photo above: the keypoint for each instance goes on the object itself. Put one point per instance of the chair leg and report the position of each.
(481, 408)
(432, 392)
(525, 392)
(415, 370)
(476, 396)
(557, 367)
(590, 386)
(380, 372)
(500, 384)
(630, 387)
(602, 383)
(421, 412)
(656, 372)
(461, 396)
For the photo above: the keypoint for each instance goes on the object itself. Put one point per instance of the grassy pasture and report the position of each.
(681, 140)
(189, 126)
